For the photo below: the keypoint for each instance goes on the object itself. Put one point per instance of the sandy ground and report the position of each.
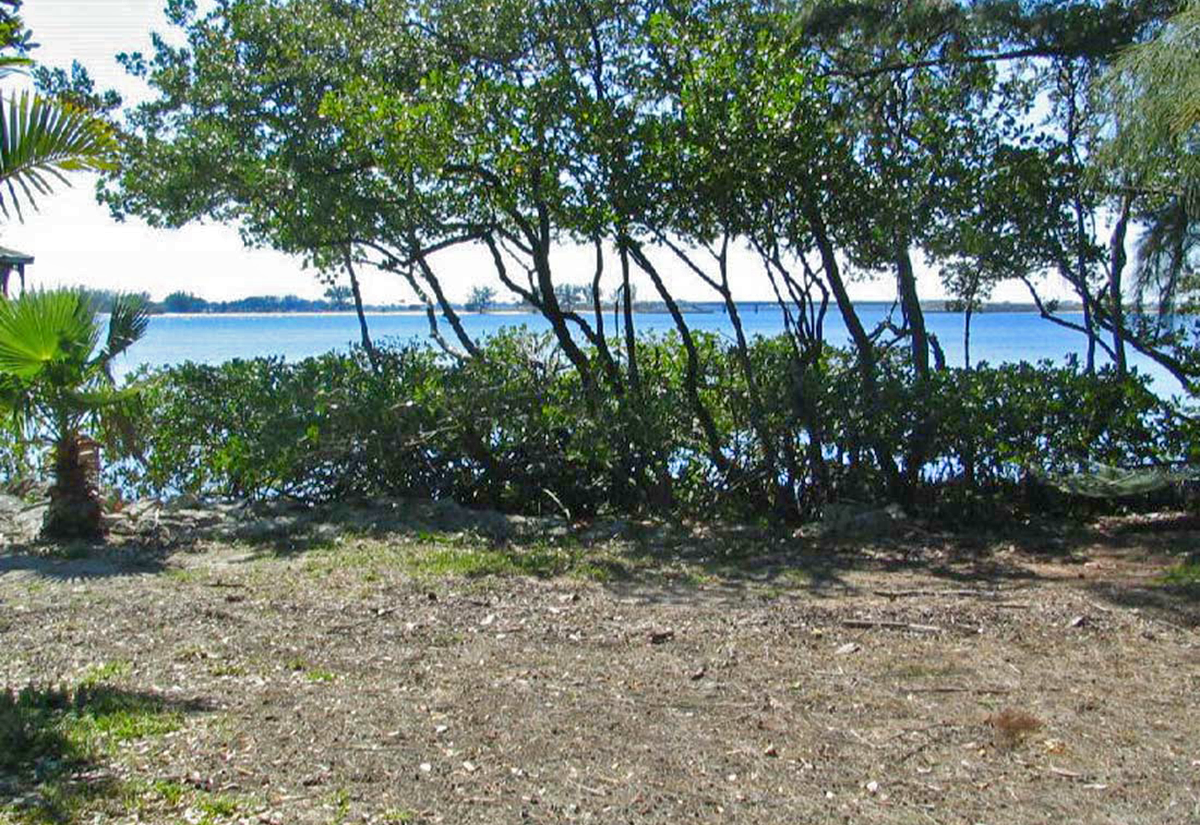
(725, 676)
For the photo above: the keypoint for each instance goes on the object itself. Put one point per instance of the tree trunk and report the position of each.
(364, 333)
(75, 511)
(1089, 323)
(631, 360)
(1116, 271)
(910, 305)
(858, 334)
(447, 309)
(691, 378)
(970, 310)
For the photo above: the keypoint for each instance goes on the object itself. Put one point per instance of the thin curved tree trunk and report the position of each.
(363, 330)
(1116, 271)
(858, 334)
(692, 374)
(910, 303)
(635, 381)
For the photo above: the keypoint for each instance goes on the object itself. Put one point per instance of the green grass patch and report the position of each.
(62, 802)
(339, 801)
(446, 638)
(601, 570)
(319, 675)
(540, 562)
(218, 807)
(1184, 574)
(75, 724)
(104, 672)
(171, 792)
(393, 815)
(187, 575)
(49, 734)
(369, 557)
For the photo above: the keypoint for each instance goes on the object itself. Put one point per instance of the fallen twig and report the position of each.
(948, 689)
(1064, 773)
(593, 791)
(898, 594)
(867, 624)
(378, 614)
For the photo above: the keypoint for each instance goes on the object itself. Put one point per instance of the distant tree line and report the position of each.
(338, 299)
(181, 301)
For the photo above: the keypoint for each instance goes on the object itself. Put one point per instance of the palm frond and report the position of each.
(127, 322)
(42, 138)
(103, 398)
(45, 328)
(14, 402)
(11, 64)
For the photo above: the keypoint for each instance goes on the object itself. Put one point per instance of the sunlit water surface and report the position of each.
(996, 337)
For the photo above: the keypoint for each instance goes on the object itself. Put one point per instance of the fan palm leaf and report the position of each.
(40, 140)
(44, 329)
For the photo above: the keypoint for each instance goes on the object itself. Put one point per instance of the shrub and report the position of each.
(514, 430)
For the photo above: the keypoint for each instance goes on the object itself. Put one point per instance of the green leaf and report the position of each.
(43, 329)
(40, 137)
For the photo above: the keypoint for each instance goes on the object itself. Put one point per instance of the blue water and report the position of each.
(996, 337)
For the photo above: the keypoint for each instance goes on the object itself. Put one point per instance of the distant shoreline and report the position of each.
(687, 307)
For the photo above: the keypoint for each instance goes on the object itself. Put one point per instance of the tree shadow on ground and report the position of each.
(78, 562)
(1146, 561)
(287, 529)
(1175, 604)
(54, 742)
(672, 559)
(740, 560)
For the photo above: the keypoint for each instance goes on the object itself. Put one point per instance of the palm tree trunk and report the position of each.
(75, 511)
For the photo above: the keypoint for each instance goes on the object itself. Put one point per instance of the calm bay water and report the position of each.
(172, 339)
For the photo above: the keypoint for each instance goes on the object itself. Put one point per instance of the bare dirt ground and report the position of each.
(694, 675)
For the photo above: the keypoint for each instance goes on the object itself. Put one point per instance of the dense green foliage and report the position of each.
(827, 140)
(512, 430)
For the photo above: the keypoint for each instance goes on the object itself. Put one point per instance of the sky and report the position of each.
(75, 241)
